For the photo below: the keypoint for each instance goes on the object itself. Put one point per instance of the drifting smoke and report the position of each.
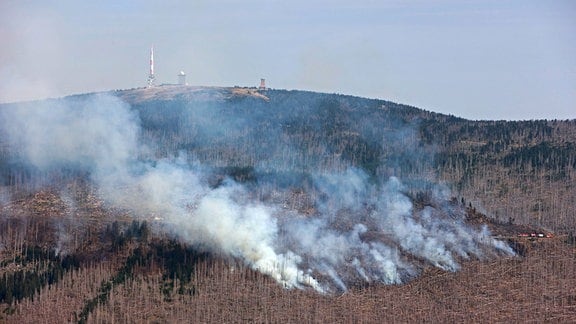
(361, 230)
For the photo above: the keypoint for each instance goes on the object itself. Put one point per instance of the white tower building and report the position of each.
(182, 78)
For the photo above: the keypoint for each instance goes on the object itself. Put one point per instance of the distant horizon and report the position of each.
(479, 60)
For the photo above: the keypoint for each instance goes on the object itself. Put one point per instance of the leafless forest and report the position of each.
(84, 240)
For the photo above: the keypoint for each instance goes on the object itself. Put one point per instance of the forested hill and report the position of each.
(515, 171)
(212, 204)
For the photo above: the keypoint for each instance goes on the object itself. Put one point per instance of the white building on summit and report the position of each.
(182, 78)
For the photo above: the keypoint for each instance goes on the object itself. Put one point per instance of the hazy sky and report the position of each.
(484, 59)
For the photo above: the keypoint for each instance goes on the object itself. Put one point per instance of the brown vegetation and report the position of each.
(538, 286)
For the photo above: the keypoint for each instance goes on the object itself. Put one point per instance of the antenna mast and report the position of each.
(151, 77)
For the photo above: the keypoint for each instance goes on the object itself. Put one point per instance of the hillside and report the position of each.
(521, 170)
(210, 204)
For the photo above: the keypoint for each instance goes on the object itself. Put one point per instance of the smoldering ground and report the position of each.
(341, 226)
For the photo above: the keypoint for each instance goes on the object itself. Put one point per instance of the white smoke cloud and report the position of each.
(99, 133)
(361, 231)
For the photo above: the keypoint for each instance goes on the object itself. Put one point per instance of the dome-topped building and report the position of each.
(182, 78)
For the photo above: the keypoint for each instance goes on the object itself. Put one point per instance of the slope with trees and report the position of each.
(67, 255)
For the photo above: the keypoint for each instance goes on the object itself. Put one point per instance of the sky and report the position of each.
(477, 59)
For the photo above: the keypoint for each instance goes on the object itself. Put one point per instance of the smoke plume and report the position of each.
(357, 230)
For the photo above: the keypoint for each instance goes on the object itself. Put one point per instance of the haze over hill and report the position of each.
(480, 161)
(318, 191)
